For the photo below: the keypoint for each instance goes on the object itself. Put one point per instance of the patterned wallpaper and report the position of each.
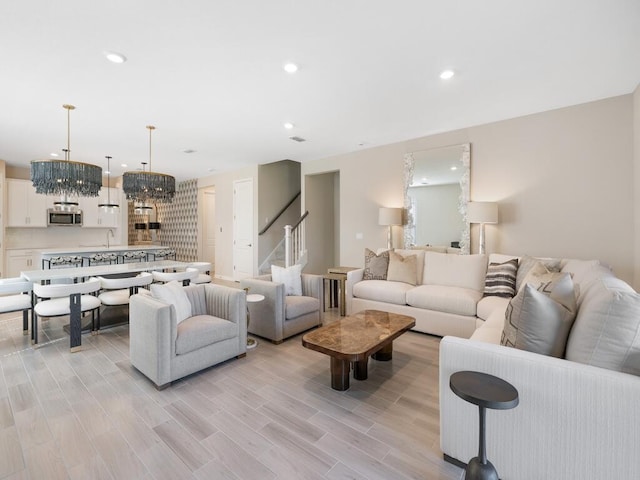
(178, 222)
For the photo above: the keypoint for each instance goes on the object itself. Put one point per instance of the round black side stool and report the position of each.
(486, 391)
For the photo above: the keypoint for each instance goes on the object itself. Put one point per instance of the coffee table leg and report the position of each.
(384, 354)
(360, 369)
(339, 374)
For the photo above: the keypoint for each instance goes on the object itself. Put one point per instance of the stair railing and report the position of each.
(295, 241)
(279, 214)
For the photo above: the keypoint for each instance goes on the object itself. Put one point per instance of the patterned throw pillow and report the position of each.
(539, 318)
(527, 263)
(501, 279)
(375, 266)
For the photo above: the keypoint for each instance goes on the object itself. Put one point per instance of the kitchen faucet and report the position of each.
(109, 232)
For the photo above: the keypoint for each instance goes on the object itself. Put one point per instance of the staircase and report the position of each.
(291, 250)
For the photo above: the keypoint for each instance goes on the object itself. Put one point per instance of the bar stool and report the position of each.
(166, 254)
(101, 259)
(66, 299)
(15, 296)
(62, 261)
(134, 256)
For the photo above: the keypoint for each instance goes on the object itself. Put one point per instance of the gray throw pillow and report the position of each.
(375, 266)
(539, 319)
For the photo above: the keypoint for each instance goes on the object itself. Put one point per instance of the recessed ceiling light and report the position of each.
(115, 57)
(123, 165)
(290, 67)
(288, 125)
(447, 74)
(53, 155)
(107, 172)
(454, 168)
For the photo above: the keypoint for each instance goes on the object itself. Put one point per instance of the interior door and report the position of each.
(242, 229)
(209, 223)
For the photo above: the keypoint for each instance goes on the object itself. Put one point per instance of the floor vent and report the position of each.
(298, 139)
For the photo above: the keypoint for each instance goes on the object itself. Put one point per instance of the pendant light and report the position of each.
(145, 186)
(109, 207)
(65, 177)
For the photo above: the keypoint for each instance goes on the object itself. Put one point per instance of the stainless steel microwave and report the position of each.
(58, 217)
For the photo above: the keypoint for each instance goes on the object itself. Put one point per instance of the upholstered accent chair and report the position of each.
(281, 316)
(167, 343)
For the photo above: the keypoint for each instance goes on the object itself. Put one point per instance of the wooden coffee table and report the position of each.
(354, 339)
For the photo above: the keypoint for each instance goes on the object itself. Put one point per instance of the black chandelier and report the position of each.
(65, 177)
(143, 186)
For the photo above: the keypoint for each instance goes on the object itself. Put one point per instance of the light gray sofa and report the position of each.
(576, 419)
(165, 351)
(281, 316)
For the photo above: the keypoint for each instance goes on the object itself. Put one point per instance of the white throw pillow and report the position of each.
(291, 277)
(173, 293)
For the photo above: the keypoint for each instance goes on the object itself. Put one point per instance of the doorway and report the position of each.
(243, 228)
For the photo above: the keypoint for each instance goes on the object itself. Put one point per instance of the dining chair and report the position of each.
(204, 272)
(66, 299)
(115, 292)
(15, 296)
(185, 277)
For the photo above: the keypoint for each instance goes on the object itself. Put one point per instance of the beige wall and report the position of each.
(636, 184)
(563, 180)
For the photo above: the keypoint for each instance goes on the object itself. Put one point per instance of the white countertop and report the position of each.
(98, 248)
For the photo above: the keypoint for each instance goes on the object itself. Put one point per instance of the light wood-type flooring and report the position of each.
(270, 415)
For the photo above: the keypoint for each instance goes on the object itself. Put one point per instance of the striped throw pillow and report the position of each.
(501, 279)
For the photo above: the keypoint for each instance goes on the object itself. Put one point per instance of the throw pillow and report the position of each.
(375, 266)
(501, 279)
(402, 268)
(539, 319)
(527, 262)
(291, 277)
(173, 293)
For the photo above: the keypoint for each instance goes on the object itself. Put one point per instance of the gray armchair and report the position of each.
(165, 350)
(280, 316)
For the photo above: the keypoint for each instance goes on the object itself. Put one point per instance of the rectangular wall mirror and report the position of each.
(436, 193)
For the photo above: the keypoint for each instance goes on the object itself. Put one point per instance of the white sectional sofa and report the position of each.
(578, 416)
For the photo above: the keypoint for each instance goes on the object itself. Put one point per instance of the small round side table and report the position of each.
(252, 298)
(485, 391)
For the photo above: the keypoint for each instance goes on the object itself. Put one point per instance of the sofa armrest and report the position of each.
(152, 333)
(574, 421)
(267, 317)
(353, 277)
(230, 304)
(312, 285)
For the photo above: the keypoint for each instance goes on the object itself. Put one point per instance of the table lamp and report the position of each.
(389, 217)
(482, 212)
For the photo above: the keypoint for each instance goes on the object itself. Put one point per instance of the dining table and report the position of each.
(76, 273)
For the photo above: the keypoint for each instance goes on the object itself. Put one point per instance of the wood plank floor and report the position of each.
(271, 415)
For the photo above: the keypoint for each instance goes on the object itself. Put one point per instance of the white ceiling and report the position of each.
(208, 74)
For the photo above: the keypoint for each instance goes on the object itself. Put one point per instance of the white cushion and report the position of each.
(173, 293)
(464, 271)
(460, 301)
(488, 305)
(13, 303)
(115, 297)
(202, 278)
(60, 306)
(382, 291)
(290, 277)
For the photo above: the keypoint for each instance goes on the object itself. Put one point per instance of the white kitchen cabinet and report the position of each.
(93, 216)
(21, 260)
(25, 208)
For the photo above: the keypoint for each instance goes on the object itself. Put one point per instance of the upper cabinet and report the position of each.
(93, 216)
(25, 208)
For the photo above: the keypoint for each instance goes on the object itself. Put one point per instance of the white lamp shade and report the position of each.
(482, 212)
(390, 216)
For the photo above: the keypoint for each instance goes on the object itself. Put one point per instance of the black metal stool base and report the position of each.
(476, 470)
